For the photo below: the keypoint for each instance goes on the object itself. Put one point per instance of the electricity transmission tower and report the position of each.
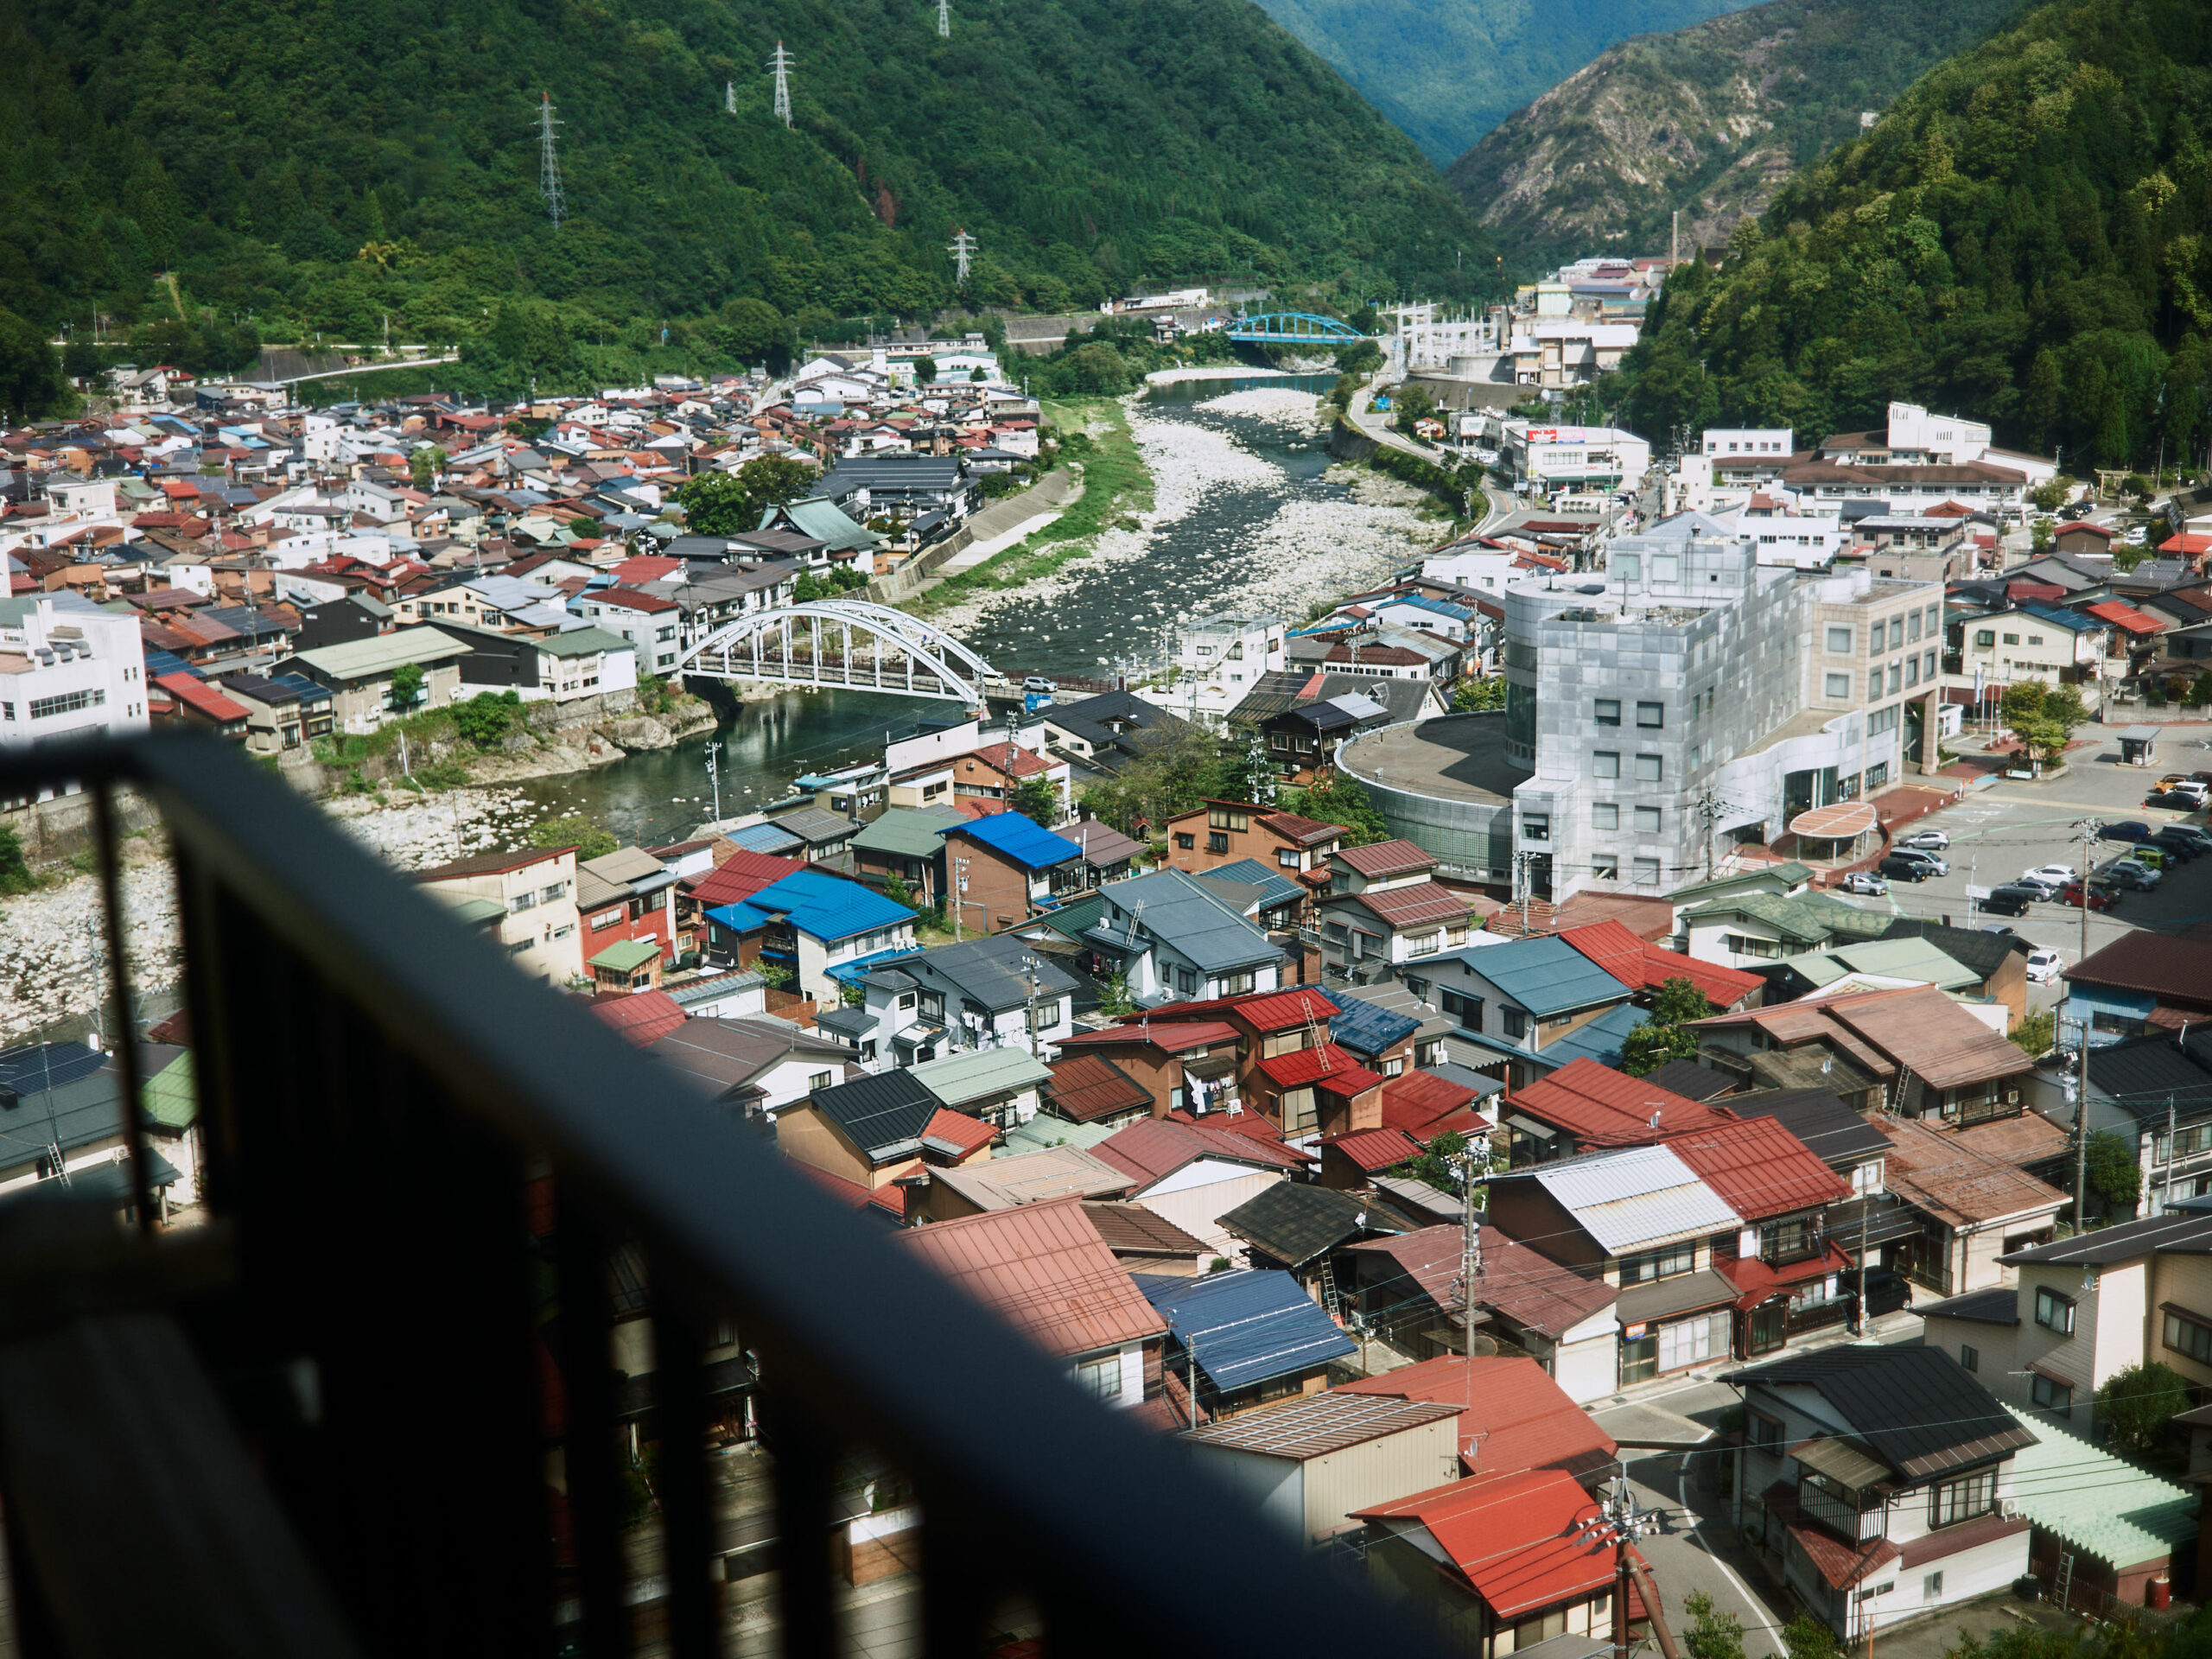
(549, 163)
(944, 18)
(729, 98)
(781, 62)
(963, 250)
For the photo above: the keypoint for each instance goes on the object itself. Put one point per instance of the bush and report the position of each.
(486, 718)
(573, 831)
(2136, 1404)
(15, 870)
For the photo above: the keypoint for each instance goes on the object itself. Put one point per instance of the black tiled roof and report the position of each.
(1691, 1081)
(878, 1112)
(1912, 1408)
(1295, 1222)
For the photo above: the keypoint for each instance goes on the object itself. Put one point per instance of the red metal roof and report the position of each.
(2188, 541)
(1604, 1108)
(643, 1016)
(1412, 905)
(1758, 1282)
(741, 875)
(1044, 1268)
(1386, 858)
(1758, 1168)
(1414, 1101)
(970, 1133)
(1527, 1288)
(2124, 617)
(1157, 1146)
(1371, 1150)
(1513, 1418)
(201, 697)
(1520, 1541)
(1173, 1035)
(1328, 1066)
(1263, 1010)
(1085, 1087)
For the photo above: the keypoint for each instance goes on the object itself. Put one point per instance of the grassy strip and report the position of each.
(1115, 483)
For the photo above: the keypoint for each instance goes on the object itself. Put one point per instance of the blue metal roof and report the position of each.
(770, 838)
(1277, 887)
(1545, 976)
(1363, 1028)
(1599, 1040)
(1245, 1327)
(1020, 839)
(2073, 621)
(821, 905)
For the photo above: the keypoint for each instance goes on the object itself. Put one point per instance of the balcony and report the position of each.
(493, 1338)
(1841, 1517)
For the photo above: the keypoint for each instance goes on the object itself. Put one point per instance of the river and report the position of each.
(1242, 518)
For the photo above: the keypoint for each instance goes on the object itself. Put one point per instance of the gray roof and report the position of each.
(1197, 924)
(908, 831)
(882, 1115)
(994, 971)
(1998, 1304)
(816, 825)
(2173, 1234)
(719, 1055)
(2141, 1074)
(1912, 1408)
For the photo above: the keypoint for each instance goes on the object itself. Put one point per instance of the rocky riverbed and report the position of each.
(52, 943)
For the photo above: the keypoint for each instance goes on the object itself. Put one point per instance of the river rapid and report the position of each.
(1243, 519)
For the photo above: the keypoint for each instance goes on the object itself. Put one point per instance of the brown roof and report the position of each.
(2162, 964)
(1132, 1230)
(1410, 906)
(1957, 1183)
(1087, 1087)
(1912, 1026)
(1526, 1288)
(1044, 1267)
(493, 864)
(1304, 831)
(1386, 858)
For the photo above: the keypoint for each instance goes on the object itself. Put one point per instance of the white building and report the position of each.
(68, 668)
(1746, 441)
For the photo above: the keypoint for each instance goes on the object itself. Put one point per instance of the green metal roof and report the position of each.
(908, 831)
(172, 1099)
(2096, 1503)
(1075, 917)
(1909, 958)
(1814, 917)
(958, 1078)
(626, 955)
(1790, 876)
(380, 653)
(1040, 1132)
(583, 642)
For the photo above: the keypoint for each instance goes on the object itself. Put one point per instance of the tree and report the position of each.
(1474, 696)
(1665, 1035)
(732, 503)
(486, 718)
(1178, 766)
(2038, 1032)
(406, 685)
(2136, 1404)
(31, 383)
(1442, 1163)
(573, 831)
(1337, 797)
(2114, 1175)
(424, 466)
(2050, 495)
(1712, 1634)
(2043, 717)
(926, 370)
(583, 528)
(1805, 1637)
(15, 870)
(1114, 998)
(2201, 693)
(1037, 800)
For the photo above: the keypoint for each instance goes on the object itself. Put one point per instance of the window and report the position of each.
(521, 902)
(1216, 842)
(1651, 713)
(2035, 638)
(1184, 842)
(1877, 775)
(1836, 688)
(1897, 632)
(1649, 768)
(1628, 566)
(2052, 1396)
(1642, 1268)
(518, 946)
(1186, 981)
(1935, 618)
(1609, 711)
(1897, 678)
(1763, 1433)
(1969, 1358)
(1912, 624)
(1605, 763)
(1286, 857)
(607, 917)
(1236, 984)
(1647, 820)
(821, 1080)
(1985, 636)
(552, 893)
(1840, 639)
(1467, 1010)
(1931, 1585)
(1962, 1500)
(1100, 1378)
(1605, 866)
(1220, 817)
(1912, 670)
(1874, 640)
(2053, 1310)
(1537, 826)
(67, 702)
(1604, 815)
(1873, 682)
(2011, 638)
(2189, 1336)
(1666, 567)
(1517, 1023)
(1647, 871)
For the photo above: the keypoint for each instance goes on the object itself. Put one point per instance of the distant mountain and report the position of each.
(316, 166)
(2025, 237)
(1448, 71)
(1711, 120)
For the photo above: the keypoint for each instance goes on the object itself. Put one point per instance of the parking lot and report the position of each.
(2014, 825)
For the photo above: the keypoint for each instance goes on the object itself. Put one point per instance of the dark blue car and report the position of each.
(2127, 829)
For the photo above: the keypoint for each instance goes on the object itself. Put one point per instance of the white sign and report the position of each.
(1976, 894)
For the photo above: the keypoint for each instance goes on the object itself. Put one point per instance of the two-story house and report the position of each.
(528, 898)
(906, 844)
(1786, 1262)
(1167, 937)
(1002, 870)
(1224, 832)
(1879, 1481)
(821, 928)
(1371, 921)
(628, 894)
(2155, 1092)
(1513, 999)
(872, 1131)
(978, 993)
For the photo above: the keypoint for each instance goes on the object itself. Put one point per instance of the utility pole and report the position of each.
(2088, 855)
(959, 895)
(2166, 1203)
(549, 163)
(1470, 1244)
(781, 62)
(714, 778)
(2081, 1129)
(1029, 971)
(1865, 1205)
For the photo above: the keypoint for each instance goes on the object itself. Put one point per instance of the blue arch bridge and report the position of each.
(1291, 329)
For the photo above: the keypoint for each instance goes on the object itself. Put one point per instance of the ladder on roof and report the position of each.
(2062, 1586)
(1329, 1298)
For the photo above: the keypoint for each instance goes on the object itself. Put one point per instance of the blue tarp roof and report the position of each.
(1364, 1028)
(822, 906)
(1248, 1326)
(1020, 839)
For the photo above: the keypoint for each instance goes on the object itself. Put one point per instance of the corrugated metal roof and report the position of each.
(1193, 921)
(2097, 1502)
(1758, 1168)
(908, 831)
(1319, 1424)
(1545, 976)
(820, 904)
(959, 1078)
(1636, 1197)
(1912, 1408)
(1247, 1326)
(1366, 1028)
(1520, 1540)
(1016, 837)
(1033, 1177)
(382, 653)
(1045, 1270)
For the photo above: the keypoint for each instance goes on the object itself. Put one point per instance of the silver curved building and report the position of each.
(1446, 785)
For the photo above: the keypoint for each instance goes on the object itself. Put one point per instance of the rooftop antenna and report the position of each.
(945, 19)
(963, 245)
(548, 164)
(781, 62)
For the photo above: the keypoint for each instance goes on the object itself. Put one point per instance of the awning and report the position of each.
(1689, 1294)
(1211, 1065)
(1843, 1463)
(1529, 1126)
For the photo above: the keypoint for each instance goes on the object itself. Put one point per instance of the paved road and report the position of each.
(1377, 427)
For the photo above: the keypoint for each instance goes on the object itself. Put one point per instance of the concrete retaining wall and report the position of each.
(62, 828)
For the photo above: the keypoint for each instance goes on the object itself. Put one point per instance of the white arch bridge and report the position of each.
(847, 643)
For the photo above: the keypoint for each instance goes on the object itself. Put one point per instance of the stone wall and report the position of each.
(62, 828)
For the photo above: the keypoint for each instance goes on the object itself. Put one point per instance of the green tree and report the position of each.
(2043, 717)
(2038, 1032)
(32, 386)
(486, 718)
(1337, 797)
(2051, 494)
(733, 503)
(582, 528)
(1037, 800)
(407, 685)
(1442, 1162)
(1712, 1634)
(1477, 695)
(2114, 1175)
(1178, 766)
(1665, 1035)
(424, 466)
(573, 831)
(2136, 1404)
(1805, 1637)
(1114, 997)
(926, 370)
(15, 870)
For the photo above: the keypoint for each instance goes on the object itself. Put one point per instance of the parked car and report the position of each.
(2043, 965)
(2147, 851)
(2011, 899)
(2180, 848)
(2077, 510)
(2189, 791)
(2101, 896)
(2135, 877)
(1039, 683)
(1901, 866)
(1934, 864)
(2058, 873)
(1933, 841)
(1887, 1291)
(2124, 829)
(2196, 835)
(1865, 881)
(2041, 885)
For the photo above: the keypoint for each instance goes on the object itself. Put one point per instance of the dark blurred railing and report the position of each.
(370, 1406)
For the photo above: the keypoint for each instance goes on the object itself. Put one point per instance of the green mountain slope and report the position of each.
(322, 165)
(2022, 239)
(1448, 71)
(1710, 120)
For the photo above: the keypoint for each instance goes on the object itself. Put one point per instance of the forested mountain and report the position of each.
(2025, 237)
(317, 165)
(1448, 71)
(1709, 120)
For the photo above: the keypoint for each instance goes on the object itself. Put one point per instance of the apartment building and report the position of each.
(67, 670)
(526, 899)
